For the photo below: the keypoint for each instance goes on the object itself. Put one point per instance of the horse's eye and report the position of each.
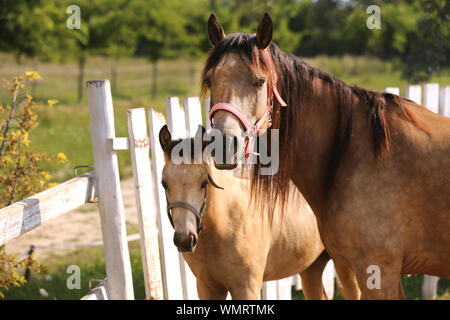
(204, 184)
(164, 184)
(259, 83)
(207, 82)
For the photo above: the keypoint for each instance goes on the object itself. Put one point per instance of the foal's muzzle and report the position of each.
(185, 242)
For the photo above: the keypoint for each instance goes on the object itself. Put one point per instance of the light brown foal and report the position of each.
(240, 247)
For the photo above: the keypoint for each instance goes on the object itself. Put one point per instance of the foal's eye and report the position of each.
(259, 83)
(204, 184)
(164, 184)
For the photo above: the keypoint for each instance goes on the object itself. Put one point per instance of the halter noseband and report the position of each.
(251, 130)
(198, 214)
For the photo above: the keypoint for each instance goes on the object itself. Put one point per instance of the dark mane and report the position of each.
(294, 79)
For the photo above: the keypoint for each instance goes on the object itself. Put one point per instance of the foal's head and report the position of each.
(186, 191)
(240, 75)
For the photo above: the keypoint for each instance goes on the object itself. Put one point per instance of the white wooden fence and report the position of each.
(166, 276)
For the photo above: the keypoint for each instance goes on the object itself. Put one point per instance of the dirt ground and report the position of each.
(79, 226)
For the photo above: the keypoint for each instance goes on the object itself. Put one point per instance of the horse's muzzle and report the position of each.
(185, 242)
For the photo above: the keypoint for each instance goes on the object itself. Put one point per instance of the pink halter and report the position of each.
(251, 130)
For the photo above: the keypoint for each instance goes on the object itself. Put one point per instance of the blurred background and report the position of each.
(153, 49)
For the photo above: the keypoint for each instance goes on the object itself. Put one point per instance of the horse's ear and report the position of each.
(264, 32)
(165, 138)
(215, 30)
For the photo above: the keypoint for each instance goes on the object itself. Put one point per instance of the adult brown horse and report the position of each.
(374, 167)
(238, 248)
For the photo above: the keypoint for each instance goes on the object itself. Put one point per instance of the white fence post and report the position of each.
(414, 93)
(112, 212)
(431, 96)
(193, 114)
(145, 204)
(173, 289)
(444, 101)
(392, 90)
(328, 278)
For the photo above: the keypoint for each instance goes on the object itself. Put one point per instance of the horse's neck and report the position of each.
(314, 146)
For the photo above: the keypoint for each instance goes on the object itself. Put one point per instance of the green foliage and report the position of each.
(20, 173)
(10, 267)
(415, 32)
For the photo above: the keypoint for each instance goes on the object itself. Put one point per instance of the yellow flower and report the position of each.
(61, 158)
(46, 175)
(52, 102)
(32, 75)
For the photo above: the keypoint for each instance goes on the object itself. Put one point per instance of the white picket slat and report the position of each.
(444, 101)
(414, 93)
(393, 90)
(175, 118)
(112, 211)
(173, 289)
(193, 114)
(328, 279)
(145, 205)
(431, 96)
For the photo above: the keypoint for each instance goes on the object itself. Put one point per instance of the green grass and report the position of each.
(92, 266)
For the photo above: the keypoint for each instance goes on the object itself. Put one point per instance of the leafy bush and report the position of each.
(20, 173)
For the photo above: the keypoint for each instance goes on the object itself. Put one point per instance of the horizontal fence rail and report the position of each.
(32, 212)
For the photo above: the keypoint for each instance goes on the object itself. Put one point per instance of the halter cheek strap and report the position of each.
(198, 214)
(251, 130)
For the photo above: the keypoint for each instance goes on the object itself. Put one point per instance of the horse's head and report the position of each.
(185, 185)
(240, 76)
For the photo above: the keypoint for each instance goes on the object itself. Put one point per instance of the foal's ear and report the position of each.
(215, 30)
(264, 32)
(165, 138)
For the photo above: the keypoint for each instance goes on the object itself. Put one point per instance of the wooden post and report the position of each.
(414, 93)
(193, 114)
(284, 287)
(175, 118)
(444, 101)
(392, 90)
(328, 277)
(139, 149)
(112, 212)
(431, 96)
(269, 290)
(169, 255)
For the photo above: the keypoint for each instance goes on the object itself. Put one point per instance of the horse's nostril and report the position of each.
(193, 240)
